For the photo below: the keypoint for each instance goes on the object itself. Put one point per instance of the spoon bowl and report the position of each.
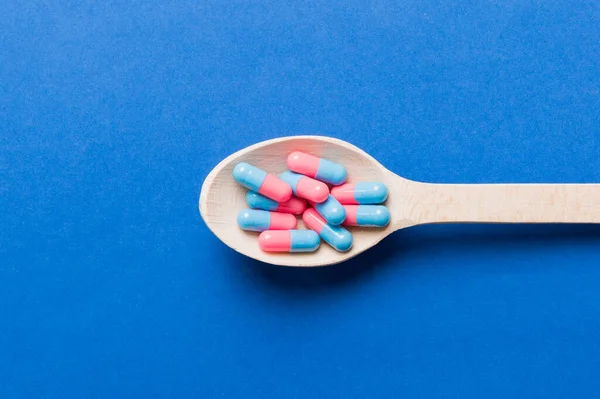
(409, 202)
(222, 198)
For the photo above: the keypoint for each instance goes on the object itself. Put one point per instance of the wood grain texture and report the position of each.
(410, 203)
(504, 203)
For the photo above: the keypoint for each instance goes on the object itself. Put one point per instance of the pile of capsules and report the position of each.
(274, 202)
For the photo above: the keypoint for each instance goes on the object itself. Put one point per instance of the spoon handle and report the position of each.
(505, 203)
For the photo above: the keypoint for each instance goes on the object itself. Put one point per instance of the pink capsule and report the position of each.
(336, 236)
(289, 241)
(256, 220)
(305, 187)
(317, 168)
(365, 193)
(260, 181)
(366, 215)
(294, 205)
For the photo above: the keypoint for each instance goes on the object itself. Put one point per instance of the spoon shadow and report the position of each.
(496, 240)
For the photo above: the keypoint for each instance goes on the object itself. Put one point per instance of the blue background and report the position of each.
(112, 114)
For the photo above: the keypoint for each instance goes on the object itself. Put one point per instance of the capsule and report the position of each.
(366, 215)
(306, 187)
(294, 205)
(253, 220)
(332, 211)
(317, 168)
(289, 241)
(336, 236)
(360, 193)
(262, 182)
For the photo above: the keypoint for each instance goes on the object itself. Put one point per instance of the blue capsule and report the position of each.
(254, 220)
(317, 168)
(305, 187)
(332, 211)
(304, 241)
(249, 176)
(336, 236)
(257, 201)
(260, 181)
(289, 241)
(366, 215)
(360, 193)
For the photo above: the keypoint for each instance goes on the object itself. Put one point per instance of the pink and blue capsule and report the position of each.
(331, 210)
(366, 215)
(289, 241)
(254, 220)
(306, 187)
(360, 193)
(336, 236)
(317, 168)
(262, 182)
(294, 205)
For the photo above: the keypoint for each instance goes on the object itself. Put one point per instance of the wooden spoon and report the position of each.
(410, 202)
